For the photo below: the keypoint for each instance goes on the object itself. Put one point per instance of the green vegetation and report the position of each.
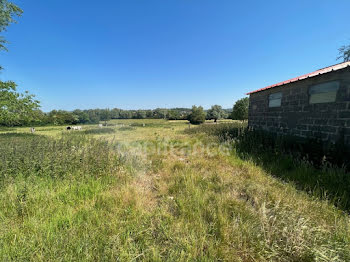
(155, 190)
(240, 109)
(216, 112)
(311, 165)
(72, 155)
(94, 116)
(224, 131)
(8, 12)
(16, 108)
(197, 115)
(156, 193)
(104, 130)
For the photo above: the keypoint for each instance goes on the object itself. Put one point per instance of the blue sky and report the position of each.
(135, 54)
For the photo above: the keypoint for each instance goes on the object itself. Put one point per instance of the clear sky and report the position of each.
(134, 54)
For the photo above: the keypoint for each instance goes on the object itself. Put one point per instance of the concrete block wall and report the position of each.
(296, 116)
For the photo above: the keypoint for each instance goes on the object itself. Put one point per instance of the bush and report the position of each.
(197, 115)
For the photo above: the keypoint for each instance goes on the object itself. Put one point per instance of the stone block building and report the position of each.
(315, 105)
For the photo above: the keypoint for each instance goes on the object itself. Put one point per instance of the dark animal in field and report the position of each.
(69, 128)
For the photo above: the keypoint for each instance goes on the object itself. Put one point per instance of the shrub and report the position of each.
(197, 115)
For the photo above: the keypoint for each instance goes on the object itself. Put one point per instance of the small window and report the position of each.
(324, 93)
(275, 99)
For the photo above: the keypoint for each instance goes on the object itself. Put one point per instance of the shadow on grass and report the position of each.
(320, 171)
(326, 183)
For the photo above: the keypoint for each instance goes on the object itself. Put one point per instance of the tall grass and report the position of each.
(224, 131)
(51, 196)
(100, 131)
(317, 169)
(71, 155)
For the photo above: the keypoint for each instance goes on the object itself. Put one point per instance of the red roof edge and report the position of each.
(321, 71)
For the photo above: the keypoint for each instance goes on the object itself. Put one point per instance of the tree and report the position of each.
(16, 108)
(125, 114)
(62, 117)
(105, 115)
(344, 53)
(160, 113)
(140, 114)
(240, 109)
(216, 112)
(115, 113)
(83, 116)
(197, 115)
(173, 115)
(8, 12)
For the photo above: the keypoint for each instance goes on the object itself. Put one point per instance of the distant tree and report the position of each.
(140, 114)
(197, 115)
(344, 53)
(240, 109)
(94, 117)
(16, 108)
(174, 115)
(149, 113)
(83, 116)
(115, 113)
(216, 112)
(39, 118)
(125, 114)
(160, 113)
(62, 117)
(184, 112)
(105, 115)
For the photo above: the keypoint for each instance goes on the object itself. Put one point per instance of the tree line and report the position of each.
(32, 115)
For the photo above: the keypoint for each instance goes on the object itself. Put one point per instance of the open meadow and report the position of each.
(156, 190)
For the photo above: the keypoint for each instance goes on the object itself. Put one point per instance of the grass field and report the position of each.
(146, 190)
